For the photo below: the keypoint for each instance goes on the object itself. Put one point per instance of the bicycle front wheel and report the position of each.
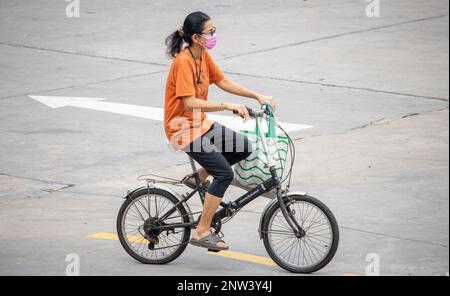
(313, 250)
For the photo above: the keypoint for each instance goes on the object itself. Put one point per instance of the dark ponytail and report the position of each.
(174, 42)
(193, 24)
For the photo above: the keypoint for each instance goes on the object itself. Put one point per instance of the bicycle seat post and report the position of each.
(194, 169)
(197, 179)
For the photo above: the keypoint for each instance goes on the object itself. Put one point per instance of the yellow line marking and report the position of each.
(350, 274)
(227, 254)
(245, 257)
(113, 236)
(104, 235)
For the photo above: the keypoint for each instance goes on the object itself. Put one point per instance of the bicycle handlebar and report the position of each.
(249, 110)
(254, 114)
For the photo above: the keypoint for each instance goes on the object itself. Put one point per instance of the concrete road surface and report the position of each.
(372, 82)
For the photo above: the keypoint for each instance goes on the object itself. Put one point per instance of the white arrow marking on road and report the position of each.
(154, 113)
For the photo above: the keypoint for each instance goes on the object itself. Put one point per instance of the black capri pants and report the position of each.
(216, 151)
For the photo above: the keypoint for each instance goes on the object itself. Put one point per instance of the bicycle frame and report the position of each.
(228, 209)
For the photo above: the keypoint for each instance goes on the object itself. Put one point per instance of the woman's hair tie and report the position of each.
(180, 31)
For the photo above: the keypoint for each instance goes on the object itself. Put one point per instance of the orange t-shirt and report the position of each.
(182, 126)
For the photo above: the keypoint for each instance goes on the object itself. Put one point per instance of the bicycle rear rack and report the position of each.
(153, 179)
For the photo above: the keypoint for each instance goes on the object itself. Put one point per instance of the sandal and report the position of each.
(209, 242)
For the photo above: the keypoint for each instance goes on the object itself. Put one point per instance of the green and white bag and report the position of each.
(254, 170)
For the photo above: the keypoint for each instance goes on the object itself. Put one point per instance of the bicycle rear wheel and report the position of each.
(137, 224)
(310, 252)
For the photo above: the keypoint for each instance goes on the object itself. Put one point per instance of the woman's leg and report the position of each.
(220, 148)
(210, 207)
(234, 146)
(202, 173)
(216, 165)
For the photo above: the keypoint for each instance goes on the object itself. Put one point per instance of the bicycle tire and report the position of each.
(120, 231)
(334, 230)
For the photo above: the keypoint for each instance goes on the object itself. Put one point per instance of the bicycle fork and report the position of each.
(288, 213)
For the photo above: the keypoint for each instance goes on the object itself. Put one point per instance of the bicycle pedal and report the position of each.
(214, 251)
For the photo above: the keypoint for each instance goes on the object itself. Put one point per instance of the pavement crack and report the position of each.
(333, 36)
(367, 89)
(66, 185)
(84, 84)
(84, 54)
(410, 114)
(371, 123)
(95, 194)
(376, 122)
(397, 237)
(59, 189)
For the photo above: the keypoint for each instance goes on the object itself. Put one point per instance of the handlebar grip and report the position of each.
(249, 110)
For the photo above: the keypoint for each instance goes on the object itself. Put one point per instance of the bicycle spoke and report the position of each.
(282, 222)
(314, 220)
(291, 247)
(134, 230)
(312, 249)
(136, 216)
(282, 243)
(296, 248)
(146, 210)
(139, 212)
(133, 225)
(318, 240)
(305, 245)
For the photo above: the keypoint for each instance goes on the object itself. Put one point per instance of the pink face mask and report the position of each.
(211, 41)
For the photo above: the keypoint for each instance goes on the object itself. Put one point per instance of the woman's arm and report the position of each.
(192, 103)
(235, 89)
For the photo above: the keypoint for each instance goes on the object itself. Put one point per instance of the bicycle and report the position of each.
(299, 232)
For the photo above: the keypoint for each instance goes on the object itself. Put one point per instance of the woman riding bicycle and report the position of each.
(214, 146)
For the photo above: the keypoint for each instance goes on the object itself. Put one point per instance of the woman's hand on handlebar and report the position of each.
(239, 110)
(262, 99)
